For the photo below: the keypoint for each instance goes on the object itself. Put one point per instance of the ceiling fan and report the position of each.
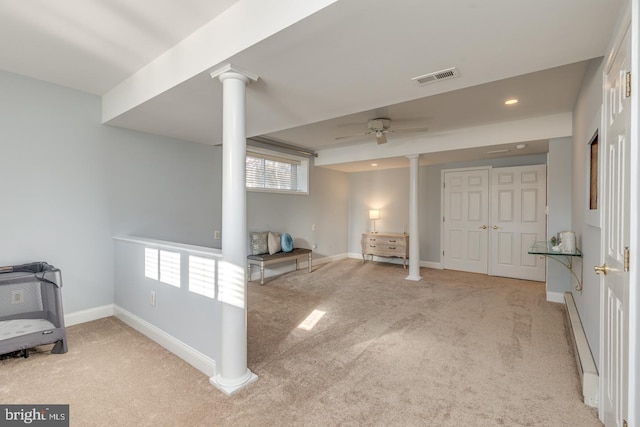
(380, 128)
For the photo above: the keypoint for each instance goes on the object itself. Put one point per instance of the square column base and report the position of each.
(413, 278)
(229, 389)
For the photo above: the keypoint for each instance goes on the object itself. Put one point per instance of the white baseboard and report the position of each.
(426, 264)
(200, 361)
(584, 359)
(328, 259)
(555, 297)
(431, 264)
(88, 315)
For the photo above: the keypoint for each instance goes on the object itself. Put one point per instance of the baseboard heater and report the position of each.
(584, 359)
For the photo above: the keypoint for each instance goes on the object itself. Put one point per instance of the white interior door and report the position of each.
(518, 200)
(465, 220)
(614, 328)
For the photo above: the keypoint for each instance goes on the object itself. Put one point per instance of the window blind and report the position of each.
(272, 172)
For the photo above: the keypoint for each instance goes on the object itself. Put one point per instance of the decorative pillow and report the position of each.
(286, 242)
(273, 242)
(258, 242)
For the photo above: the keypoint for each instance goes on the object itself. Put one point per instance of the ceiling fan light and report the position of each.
(378, 124)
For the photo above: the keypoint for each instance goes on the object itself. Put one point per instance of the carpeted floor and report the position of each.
(455, 349)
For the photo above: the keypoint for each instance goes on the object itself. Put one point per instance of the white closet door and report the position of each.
(465, 220)
(518, 200)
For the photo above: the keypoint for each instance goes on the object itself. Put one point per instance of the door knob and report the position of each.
(495, 227)
(483, 227)
(603, 268)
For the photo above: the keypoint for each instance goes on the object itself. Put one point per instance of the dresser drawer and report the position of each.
(385, 240)
(385, 246)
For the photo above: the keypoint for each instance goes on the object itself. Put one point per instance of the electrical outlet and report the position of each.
(315, 246)
(216, 235)
(152, 298)
(17, 296)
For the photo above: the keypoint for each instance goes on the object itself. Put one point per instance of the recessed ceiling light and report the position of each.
(521, 146)
(374, 164)
(511, 101)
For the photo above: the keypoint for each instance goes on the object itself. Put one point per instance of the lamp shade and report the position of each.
(374, 214)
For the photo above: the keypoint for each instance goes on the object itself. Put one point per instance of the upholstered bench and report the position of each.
(278, 257)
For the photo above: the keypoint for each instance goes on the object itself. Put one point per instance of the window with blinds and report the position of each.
(276, 173)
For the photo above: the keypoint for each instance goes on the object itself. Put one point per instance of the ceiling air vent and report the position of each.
(449, 73)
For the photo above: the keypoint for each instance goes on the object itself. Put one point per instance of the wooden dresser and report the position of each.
(386, 245)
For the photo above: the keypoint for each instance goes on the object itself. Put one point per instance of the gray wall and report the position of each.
(326, 206)
(191, 318)
(559, 173)
(162, 188)
(52, 181)
(388, 190)
(385, 190)
(586, 117)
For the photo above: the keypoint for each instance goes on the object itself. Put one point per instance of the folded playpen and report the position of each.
(31, 308)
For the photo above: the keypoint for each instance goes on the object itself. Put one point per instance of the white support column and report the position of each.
(232, 372)
(414, 216)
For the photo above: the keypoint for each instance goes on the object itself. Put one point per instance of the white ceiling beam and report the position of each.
(538, 128)
(242, 25)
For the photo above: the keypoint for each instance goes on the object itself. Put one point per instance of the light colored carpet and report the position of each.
(456, 349)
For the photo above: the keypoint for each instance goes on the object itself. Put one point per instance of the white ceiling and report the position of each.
(541, 93)
(92, 45)
(322, 75)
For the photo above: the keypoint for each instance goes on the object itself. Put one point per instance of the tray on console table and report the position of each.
(386, 245)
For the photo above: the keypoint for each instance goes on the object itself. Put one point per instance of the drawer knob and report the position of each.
(392, 247)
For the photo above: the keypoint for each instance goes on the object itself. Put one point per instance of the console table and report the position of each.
(386, 245)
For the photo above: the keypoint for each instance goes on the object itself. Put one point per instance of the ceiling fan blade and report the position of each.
(357, 135)
(337, 138)
(411, 130)
(381, 138)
